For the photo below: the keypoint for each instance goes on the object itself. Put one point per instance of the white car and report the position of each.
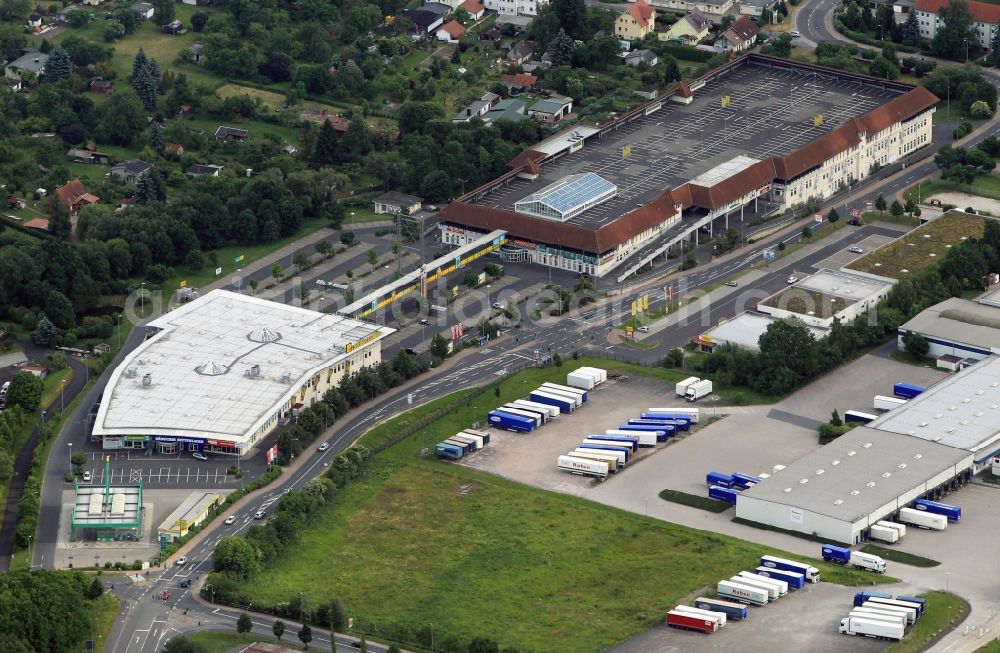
(498, 306)
(181, 561)
(323, 447)
(795, 33)
(791, 279)
(86, 477)
(230, 520)
(197, 455)
(259, 515)
(855, 250)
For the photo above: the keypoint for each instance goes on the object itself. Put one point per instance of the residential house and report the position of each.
(478, 108)
(552, 110)
(227, 134)
(985, 19)
(197, 52)
(173, 28)
(440, 8)
(451, 32)
(754, 8)
(40, 224)
(639, 57)
(143, 10)
(203, 170)
(101, 86)
(492, 34)
(87, 155)
(34, 20)
(394, 203)
(32, 61)
(74, 195)
(519, 53)
(516, 7)
(692, 28)
(92, 3)
(15, 202)
(714, 8)
(474, 8)
(424, 22)
(510, 109)
(184, 111)
(636, 22)
(739, 36)
(520, 83)
(35, 369)
(13, 84)
(173, 149)
(130, 171)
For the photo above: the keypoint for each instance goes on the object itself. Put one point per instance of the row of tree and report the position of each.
(46, 611)
(790, 356)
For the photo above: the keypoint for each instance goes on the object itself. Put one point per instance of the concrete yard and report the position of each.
(805, 620)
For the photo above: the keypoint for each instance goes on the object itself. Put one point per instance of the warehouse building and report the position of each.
(925, 448)
(752, 138)
(745, 331)
(958, 327)
(224, 370)
(190, 514)
(828, 295)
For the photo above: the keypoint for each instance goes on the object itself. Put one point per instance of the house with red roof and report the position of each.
(740, 36)
(636, 22)
(474, 8)
(73, 195)
(451, 32)
(985, 19)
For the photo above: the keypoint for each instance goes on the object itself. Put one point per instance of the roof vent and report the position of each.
(951, 430)
(938, 416)
(787, 489)
(835, 462)
(964, 422)
(285, 377)
(254, 372)
(264, 334)
(979, 392)
(211, 368)
(886, 474)
(979, 413)
(923, 424)
(855, 493)
(867, 445)
(131, 371)
(819, 471)
(147, 380)
(803, 481)
(870, 484)
(838, 502)
(902, 465)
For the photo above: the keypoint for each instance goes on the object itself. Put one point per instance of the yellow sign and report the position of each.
(634, 308)
(645, 302)
(817, 121)
(351, 346)
(184, 283)
(626, 151)
(705, 339)
(726, 101)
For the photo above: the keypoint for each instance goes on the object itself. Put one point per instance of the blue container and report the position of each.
(723, 494)
(953, 513)
(861, 597)
(511, 422)
(720, 479)
(907, 390)
(447, 451)
(836, 553)
(743, 481)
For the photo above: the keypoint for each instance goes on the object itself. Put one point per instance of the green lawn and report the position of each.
(218, 641)
(105, 611)
(53, 386)
(419, 540)
(900, 556)
(992, 647)
(286, 134)
(694, 501)
(941, 607)
(359, 216)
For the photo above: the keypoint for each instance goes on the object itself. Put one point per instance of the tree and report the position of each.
(237, 557)
(59, 66)
(807, 233)
(952, 39)
(995, 48)
(362, 642)
(833, 216)
(896, 209)
(393, 649)
(276, 67)
(156, 137)
(139, 64)
(373, 258)
(122, 119)
(305, 635)
(911, 28)
(881, 204)
(326, 150)
(783, 46)
(562, 49)
(244, 625)
(278, 628)
(766, 16)
(96, 589)
(300, 260)
(198, 21)
(78, 460)
(25, 391)
(835, 418)
(883, 69)
(482, 645)
(915, 344)
(277, 272)
(324, 248)
(336, 616)
(182, 645)
(671, 70)
(163, 11)
(439, 346)
(979, 109)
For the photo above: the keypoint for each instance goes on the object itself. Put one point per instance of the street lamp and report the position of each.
(142, 298)
(62, 401)
(118, 329)
(432, 635)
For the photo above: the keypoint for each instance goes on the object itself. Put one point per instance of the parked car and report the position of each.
(731, 284)
(87, 477)
(199, 456)
(791, 279)
(795, 33)
(643, 329)
(230, 520)
(855, 250)
(324, 446)
(181, 561)
(259, 514)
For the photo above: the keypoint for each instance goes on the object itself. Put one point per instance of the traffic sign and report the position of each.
(819, 218)
(768, 254)
(238, 259)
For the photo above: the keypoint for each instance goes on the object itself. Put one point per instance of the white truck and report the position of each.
(899, 528)
(582, 380)
(736, 591)
(871, 628)
(780, 585)
(880, 615)
(867, 561)
(697, 390)
(582, 466)
(922, 519)
(681, 388)
(884, 534)
(720, 617)
(600, 374)
(772, 590)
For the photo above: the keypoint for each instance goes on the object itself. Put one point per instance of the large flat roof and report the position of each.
(827, 292)
(199, 366)
(858, 473)
(93, 508)
(962, 411)
(959, 320)
(746, 329)
(770, 113)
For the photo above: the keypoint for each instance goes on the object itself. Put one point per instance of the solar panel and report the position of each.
(96, 503)
(118, 503)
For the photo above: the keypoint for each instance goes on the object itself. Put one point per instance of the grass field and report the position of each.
(694, 501)
(218, 641)
(419, 540)
(900, 556)
(992, 647)
(941, 607)
(53, 384)
(105, 612)
(269, 99)
(921, 247)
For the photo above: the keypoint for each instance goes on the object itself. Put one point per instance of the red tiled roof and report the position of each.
(533, 168)
(683, 90)
(981, 11)
(522, 79)
(454, 29)
(641, 11)
(37, 223)
(74, 193)
(471, 6)
(743, 28)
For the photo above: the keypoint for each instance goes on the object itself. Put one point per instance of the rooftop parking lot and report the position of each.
(770, 112)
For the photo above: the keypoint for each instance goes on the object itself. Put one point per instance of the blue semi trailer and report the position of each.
(914, 599)
(953, 513)
(861, 597)
(795, 580)
(723, 494)
(659, 431)
(564, 405)
(607, 447)
(684, 419)
(839, 554)
(720, 479)
(743, 481)
(907, 390)
(510, 422)
(448, 451)
(632, 441)
(728, 608)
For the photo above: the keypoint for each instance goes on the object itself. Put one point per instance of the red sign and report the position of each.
(855, 213)
(457, 331)
(272, 454)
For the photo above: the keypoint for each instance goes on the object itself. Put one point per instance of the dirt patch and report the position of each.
(962, 200)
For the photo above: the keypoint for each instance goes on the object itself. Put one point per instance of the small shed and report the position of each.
(949, 362)
(173, 27)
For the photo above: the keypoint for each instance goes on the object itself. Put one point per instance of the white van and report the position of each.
(4, 388)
